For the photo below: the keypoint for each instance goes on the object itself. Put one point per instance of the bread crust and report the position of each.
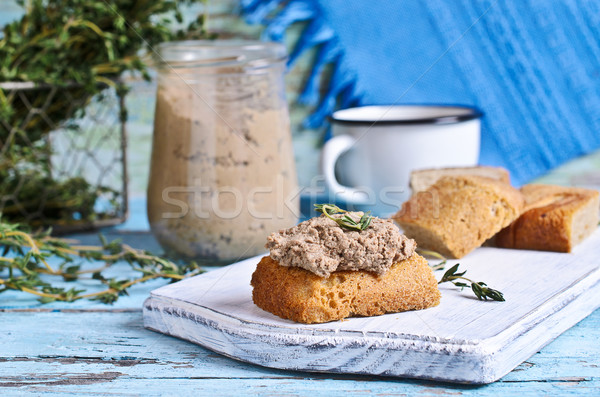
(556, 218)
(299, 295)
(459, 213)
(421, 180)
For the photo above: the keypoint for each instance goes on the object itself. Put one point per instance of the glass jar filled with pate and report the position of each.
(222, 172)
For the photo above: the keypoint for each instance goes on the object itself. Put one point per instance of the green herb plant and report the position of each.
(24, 266)
(71, 50)
(345, 220)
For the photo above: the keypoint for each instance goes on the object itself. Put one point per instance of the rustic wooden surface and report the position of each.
(91, 349)
(109, 352)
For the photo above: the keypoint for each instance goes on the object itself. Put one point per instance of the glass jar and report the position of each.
(222, 174)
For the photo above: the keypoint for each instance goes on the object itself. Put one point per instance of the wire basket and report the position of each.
(63, 159)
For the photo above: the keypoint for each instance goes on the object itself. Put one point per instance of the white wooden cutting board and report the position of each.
(461, 340)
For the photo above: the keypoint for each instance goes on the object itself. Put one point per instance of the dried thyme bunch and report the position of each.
(25, 260)
(72, 50)
(86, 41)
(82, 45)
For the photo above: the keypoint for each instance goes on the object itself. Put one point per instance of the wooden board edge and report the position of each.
(541, 328)
(478, 362)
(313, 353)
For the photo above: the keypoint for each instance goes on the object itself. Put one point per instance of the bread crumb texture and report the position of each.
(556, 218)
(459, 213)
(299, 295)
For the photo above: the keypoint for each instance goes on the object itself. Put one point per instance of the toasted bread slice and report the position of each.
(299, 295)
(556, 218)
(459, 213)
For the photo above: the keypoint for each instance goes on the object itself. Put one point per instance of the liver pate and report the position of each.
(321, 246)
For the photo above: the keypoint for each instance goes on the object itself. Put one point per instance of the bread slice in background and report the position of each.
(299, 295)
(421, 180)
(458, 213)
(556, 218)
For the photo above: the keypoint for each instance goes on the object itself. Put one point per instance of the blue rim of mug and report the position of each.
(472, 114)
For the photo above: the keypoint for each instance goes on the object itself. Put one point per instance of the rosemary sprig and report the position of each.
(480, 289)
(344, 221)
(25, 259)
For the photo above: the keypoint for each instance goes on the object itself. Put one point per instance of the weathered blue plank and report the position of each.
(116, 383)
(111, 353)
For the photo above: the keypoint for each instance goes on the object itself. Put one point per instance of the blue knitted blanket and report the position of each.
(533, 66)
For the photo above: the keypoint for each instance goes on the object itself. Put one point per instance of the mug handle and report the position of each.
(332, 150)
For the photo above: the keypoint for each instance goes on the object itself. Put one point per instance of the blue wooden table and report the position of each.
(85, 348)
(89, 348)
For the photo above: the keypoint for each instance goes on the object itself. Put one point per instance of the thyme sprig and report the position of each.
(480, 289)
(344, 221)
(72, 51)
(433, 254)
(25, 259)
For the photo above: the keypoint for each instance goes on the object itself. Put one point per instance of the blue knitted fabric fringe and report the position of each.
(533, 66)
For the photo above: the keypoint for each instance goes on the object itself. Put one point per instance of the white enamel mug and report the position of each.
(374, 148)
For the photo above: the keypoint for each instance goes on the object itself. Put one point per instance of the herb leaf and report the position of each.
(345, 221)
(480, 289)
